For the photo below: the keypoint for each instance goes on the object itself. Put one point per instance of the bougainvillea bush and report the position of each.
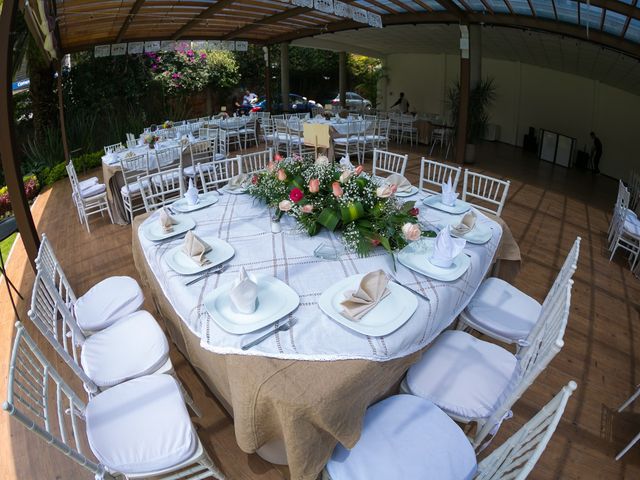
(31, 189)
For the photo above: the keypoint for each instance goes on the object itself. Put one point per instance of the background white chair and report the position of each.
(217, 174)
(132, 168)
(501, 311)
(477, 381)
(635, 439)
(161, 189)
(116, 147)
(407, 437)
(387, 163)
(102, 305)
(486, 193)
(90, 200)
(140, 428)
(248, 132)
(347, 145)
(255, 162)
(433, 174)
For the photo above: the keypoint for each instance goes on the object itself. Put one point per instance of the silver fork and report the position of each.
(214, 271)
(281, 328)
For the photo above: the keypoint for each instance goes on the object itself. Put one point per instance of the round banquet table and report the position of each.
(307, 388)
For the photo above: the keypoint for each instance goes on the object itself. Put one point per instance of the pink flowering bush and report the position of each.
(31, 190)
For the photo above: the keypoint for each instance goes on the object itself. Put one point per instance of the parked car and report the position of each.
(297, 103)
(354, 102)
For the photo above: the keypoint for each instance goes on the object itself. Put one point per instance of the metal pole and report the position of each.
(465, 87)
(8, 147)
(284, 76)
(267, 76)
(342, 79)
(63, 128)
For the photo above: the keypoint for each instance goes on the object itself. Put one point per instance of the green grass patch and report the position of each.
(5, 245)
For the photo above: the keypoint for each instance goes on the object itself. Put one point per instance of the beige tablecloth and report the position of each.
(308, 405)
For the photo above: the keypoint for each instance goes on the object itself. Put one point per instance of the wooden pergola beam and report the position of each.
(450, 6)
(268, 20)
(209, 12)
(125, 25)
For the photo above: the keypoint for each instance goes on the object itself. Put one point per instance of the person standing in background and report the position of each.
(402, 103)
(596, 152)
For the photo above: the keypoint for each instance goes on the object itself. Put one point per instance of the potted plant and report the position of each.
(480, 99)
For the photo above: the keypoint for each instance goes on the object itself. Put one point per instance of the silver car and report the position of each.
(354, 102)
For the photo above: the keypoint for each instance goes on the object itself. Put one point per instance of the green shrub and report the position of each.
(85, 162)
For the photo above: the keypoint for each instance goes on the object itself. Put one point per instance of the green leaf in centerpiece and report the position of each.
(407, 206)
(298, 181)
(329, 219)
(352, 212)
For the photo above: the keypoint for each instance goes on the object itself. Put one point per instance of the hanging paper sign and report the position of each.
(359, 14)
(135, 47)
(118, 49)
(214, 45)
(102, 51)
(229, 45)
(199, 45)
(303, 3)
(242, 45)
(341, 9)
(325, 6)
(167, 46)
(152, 46)
(374, 20)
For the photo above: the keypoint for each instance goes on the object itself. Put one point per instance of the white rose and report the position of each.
(411, 232)
(285, 205)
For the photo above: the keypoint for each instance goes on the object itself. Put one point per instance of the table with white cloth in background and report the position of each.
(338, 127)
(112, 173)
(305, 389)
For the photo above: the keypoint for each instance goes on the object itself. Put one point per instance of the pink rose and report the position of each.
(285, 205)
(337, 189)
(307, 208)
(296, 195)
(277, 158)
(414, 212)
(411, 232)
(271, 166)
(282, 175)
(314, 185)
(358, 170)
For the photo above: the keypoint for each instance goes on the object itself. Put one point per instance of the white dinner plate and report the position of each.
(390, 314)
(153, 230)
(411, 192)
(181, 263)
(204, 200)
(416, 255)
(276, 300)
(458, 207)
(481, 232)
(235, 191)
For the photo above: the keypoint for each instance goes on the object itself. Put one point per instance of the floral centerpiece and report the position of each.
(324, 195)
(167, 124)
(151, 140)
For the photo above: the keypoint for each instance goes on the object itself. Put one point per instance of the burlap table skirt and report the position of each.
(307, 405)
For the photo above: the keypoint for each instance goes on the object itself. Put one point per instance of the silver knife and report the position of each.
(420, 294)
(209, 272)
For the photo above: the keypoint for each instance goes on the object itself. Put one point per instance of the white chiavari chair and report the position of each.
(263, 115)
(429, 445)
(248, 132)
(165, 158)
(635, 439)
(348, 144)
(381, 137)
(619, 215)
(501, 311)
(626, 235)
(269, 135)
(407, 128)
(367, 138)
(387, 163)
(116, 147)
(131, 140)
(204, 119)
(161, 189)
(255, 162)
(441, 136)
(634, 189)
(103, 304)
(484, 192)
(433, 174)
(140, 428)
(484, 380)
(132, 168)
(203, 151)
(231, 127)
(215, 175)
(90, 200)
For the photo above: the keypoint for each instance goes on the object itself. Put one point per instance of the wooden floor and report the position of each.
(547, 207)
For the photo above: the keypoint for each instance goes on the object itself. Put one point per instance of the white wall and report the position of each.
(530, 96)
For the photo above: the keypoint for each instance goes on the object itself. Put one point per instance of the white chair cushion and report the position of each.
(88, 182)
(632, 227)
(133, 346)
(501, 308)
(405, 437)
(134, 187)
(344, 140)
(191, 170)
(158, 180)
(141, 426)
(462, 375)
(106, 302)
(93, 190)
(632, 217)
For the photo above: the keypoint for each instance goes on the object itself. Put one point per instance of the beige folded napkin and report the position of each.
(446, 249)
(196, 248)
(467, 224)
(130, 155)
(449, 195)
(238, 182)
(372, 289)
(244, 293)
(402, 184)
(167, 221)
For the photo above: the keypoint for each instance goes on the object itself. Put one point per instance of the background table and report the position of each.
(307, 405)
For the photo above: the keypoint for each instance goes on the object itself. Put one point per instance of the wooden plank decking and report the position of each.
(547, 207)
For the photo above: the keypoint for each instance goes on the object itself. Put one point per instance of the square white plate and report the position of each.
(204, 200)
(458, 207)
(411, 192)
(416, 255)
(235, 191)
(153, 231)
(276, 300)
(389, 315)
(181, 263)
(481, 232)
